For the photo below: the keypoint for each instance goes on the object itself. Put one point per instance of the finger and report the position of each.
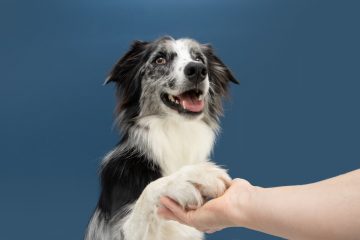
(192, 207)
(176, 209)
(239, 180)
(164, 212)
(227, 180)
(212, 231)
(167, 214)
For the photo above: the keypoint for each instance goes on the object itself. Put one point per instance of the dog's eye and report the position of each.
(160, 61)
(199, 59)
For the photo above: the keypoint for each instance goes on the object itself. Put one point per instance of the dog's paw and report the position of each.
(192, 185)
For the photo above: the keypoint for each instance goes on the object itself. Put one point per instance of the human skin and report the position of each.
(329, 209)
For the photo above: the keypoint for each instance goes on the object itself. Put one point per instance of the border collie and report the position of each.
(169, 103)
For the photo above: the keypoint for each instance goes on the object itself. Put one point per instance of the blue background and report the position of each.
(294, 119)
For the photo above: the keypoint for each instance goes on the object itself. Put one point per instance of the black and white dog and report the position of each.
(169, 102)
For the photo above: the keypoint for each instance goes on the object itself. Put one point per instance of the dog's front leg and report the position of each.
(189, 187)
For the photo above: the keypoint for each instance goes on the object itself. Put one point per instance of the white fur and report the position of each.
(175, 141)
(181, 47)
(187, 186)
(181, 147)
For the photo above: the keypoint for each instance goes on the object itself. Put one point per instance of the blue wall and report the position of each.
(294, 119)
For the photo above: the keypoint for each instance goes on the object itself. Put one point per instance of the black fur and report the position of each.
(219, 76)
(127, 76)
(126, 173)
(123, 178)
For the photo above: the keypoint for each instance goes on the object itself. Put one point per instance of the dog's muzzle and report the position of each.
(195, 72)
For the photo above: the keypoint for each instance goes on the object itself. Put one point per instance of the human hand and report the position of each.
(225, 211)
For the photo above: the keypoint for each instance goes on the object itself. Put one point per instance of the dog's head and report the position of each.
(170, 77)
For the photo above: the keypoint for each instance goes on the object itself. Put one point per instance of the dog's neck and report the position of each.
(173, 142)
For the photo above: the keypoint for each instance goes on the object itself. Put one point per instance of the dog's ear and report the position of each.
(128, 65)
(219, 73)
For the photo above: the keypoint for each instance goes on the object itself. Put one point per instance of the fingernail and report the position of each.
(192, 206)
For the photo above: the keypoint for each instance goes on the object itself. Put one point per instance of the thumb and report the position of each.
(177, 210)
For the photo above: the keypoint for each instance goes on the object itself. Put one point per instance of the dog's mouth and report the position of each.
(191, 101)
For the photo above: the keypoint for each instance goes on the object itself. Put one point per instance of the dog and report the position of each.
(169, 100)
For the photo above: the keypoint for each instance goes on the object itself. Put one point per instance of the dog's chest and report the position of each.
(177, 143)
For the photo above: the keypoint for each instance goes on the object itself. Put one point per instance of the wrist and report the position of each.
(245, 203)
(251, 207)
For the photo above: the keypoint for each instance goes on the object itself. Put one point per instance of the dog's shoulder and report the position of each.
(124, 175)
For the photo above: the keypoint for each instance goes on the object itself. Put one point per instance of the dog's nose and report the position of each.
(195, 72)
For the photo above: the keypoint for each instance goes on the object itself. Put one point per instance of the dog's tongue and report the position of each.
(190, 102)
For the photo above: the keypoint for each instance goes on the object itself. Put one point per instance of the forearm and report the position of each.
(328, 209)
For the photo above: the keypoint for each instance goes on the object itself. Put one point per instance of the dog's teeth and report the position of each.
(177, 101)
(171, 98)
